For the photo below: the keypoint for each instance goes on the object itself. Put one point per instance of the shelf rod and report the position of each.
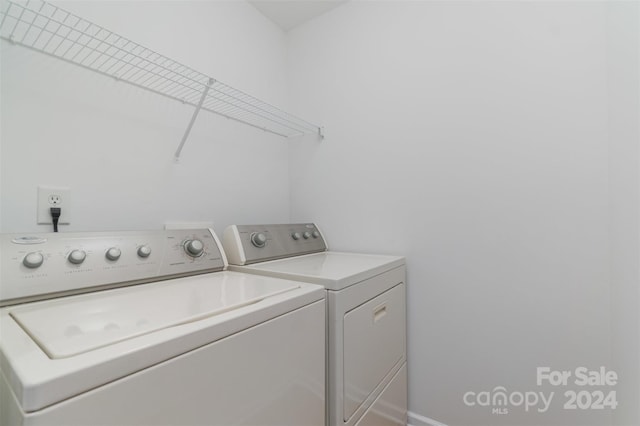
(193, 118)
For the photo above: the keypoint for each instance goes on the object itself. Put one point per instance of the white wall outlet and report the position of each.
(53, 196)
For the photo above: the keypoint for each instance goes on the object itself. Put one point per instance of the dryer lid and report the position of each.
(333, 270)
(73, 326)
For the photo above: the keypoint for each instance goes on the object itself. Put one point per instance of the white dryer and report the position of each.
(366, 315)
(179, 342)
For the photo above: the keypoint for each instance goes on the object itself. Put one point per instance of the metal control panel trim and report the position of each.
(247, 244)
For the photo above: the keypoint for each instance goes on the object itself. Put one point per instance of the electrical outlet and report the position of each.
(52, 196)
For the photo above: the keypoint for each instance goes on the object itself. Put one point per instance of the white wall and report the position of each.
(473, 137)
(113, 144)
(492, 143)
(623, 55)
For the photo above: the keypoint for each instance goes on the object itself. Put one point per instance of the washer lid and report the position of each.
(333, 270)
(181, 315)
(72, 327)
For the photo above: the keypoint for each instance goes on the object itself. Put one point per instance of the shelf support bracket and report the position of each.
(193, 118)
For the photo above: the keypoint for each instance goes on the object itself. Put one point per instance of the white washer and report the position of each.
(366, 315)
(185, 342)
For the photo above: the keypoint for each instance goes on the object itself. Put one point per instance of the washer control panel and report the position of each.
(245, 244)
(33, 265)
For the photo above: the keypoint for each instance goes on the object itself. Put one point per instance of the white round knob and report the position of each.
(113, 253)
(77, 257)
(33, 260)
(315, 234)
(194, 248)
(296, 236)
(258, 239)
(307, 235)
(144, 251)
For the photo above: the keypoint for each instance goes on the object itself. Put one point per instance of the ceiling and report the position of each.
(288, 14)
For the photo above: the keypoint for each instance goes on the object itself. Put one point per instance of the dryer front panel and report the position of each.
(374, 343)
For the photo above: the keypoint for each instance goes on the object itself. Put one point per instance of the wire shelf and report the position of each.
(46, 28)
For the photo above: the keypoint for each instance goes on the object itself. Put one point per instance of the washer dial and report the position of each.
(194, 248)
(113, 253)
(33, 260)
(144, 251)
(77, 256)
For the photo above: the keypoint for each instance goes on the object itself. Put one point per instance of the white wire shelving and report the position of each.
(51, 30)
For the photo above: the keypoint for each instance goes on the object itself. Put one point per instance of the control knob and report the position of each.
(258, 239)
(113, 253)
(194, 248)
(306, 235)
(33, 260)
(144, 251)
(77, 257)
(315, 234)
(296, 236)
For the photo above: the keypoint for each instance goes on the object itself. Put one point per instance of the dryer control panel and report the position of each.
(36, 265)
(245, 244)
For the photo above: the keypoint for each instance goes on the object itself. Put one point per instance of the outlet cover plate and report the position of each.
(54, 196)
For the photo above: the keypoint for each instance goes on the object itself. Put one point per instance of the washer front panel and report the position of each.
(243, 379)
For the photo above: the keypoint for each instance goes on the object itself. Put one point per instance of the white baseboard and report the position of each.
(414, 419)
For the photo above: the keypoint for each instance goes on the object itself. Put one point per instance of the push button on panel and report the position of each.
(306, 235)
(296, 236)
(315, 234)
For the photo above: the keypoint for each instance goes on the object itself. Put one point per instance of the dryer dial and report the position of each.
(258, 239)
